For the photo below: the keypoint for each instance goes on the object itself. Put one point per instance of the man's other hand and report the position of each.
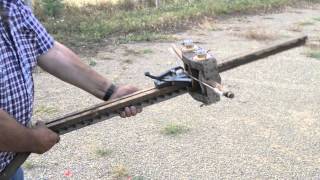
(123, 91)
(44, 138)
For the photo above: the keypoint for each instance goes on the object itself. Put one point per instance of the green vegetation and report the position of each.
(87, 24)
(314, 54)
(307, 23)
(174, 129)
(147, 51)
(45, 110)
(120, 171)
(103, 152)
(138, 178)
(28, 165)
(144, 36)
(92, 63)
(317, 19)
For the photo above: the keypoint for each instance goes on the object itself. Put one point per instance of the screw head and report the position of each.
(188, 43)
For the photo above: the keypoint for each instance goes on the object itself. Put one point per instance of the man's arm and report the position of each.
(16, 138)
(67, 66)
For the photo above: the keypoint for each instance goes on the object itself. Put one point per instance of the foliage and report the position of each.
(315, 54)
(78, 25)
(48, 8)
(174, 129)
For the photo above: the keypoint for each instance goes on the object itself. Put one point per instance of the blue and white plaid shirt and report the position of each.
(22, 40)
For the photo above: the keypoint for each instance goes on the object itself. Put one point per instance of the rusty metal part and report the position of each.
(146, 97)
(203, 68)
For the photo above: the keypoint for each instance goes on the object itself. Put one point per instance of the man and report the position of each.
(24, 43)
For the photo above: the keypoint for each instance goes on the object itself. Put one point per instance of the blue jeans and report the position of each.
(18, 175)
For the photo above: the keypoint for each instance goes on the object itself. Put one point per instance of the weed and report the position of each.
(120, 171)
(131, 52)
(103, 152)
(316, 19)
(146, 36)
(147, 51)
(92, 23)
(259, 35)
(28, 165)
(138, 178)
(174, 129)
(45, 110)
(49, 8)
(307, 23)
(128, 61)
(92, 63)
(315, 54)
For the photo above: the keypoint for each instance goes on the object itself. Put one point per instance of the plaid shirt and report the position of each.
(22, 40)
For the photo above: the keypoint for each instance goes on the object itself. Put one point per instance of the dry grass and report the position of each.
(45, 110)
(260, 35)
(306, 23)
(207, 24)
(120, 172)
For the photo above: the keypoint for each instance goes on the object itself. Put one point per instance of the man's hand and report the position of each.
(123, 91)
(44, 138)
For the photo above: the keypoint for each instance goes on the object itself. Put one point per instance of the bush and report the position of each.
(48, 8)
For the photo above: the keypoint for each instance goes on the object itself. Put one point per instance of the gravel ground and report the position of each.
(269, 131)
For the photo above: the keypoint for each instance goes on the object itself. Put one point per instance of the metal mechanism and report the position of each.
(174, 77)
(203, 69)
(200, 77)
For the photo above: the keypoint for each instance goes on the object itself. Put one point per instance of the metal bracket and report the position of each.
(173, 77)
(202, 66)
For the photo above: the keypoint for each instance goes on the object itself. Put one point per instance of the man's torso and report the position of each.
(22, 40)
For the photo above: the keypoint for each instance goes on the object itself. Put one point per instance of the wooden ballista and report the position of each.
(199, 77)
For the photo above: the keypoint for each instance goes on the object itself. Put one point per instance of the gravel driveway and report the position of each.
(271, 130)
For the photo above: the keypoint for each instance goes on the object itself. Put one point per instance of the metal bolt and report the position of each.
(201, 53)
(188, 44)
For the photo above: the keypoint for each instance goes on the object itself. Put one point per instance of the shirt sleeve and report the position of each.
(42, 39)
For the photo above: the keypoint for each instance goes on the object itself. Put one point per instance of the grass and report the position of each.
(144, 36)
(92, 63)
(147, 51)
(315, 54)
(28, 165)
(306, 23)
(259, 35)
(89, 24)
(120, 172)
(45, 110)
(103, 152)
(174, 129)
(138, 178)
(128, 61)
